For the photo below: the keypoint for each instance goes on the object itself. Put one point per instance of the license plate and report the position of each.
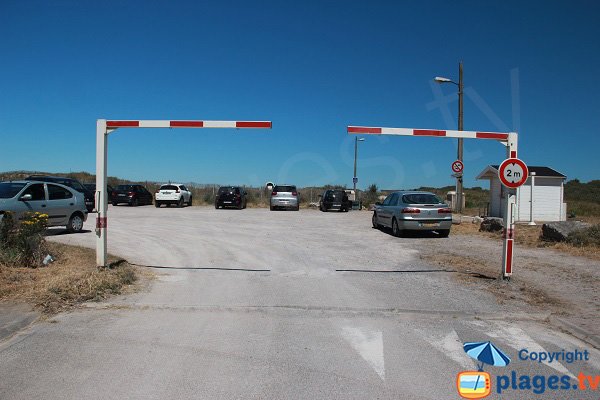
(227, 202)
(429, 224)
(122, 195)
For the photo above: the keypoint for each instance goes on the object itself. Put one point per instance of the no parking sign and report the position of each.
(457, 167)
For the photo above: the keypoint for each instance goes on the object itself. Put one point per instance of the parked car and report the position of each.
(92, 188)
(334, 200)
(90, 201)
(132, 194)
(231, 196)
(286, 197)
(173, 193)
(422, 211)
(64, 205)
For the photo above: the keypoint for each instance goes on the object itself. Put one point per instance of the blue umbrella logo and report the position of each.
(486, 353)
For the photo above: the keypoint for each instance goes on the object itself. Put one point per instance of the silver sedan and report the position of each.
(63, 205)
(419, 211)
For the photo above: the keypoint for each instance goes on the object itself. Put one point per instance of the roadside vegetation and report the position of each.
(52, 276)
(22, 243)
(585, 243)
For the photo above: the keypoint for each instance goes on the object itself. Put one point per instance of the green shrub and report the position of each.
(585, 237)
(22, 244)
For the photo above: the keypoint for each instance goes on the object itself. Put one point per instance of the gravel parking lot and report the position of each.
(259, 304)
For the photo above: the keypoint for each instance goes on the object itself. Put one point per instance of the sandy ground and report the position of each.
(543, 279)
(272, 305)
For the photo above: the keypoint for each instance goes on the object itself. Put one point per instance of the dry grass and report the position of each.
(529, 236)
(72, 279)
(471, 270)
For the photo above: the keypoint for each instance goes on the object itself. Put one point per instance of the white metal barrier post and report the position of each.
(101, 195)
(103, 128)
(508, 234)
(509, 139)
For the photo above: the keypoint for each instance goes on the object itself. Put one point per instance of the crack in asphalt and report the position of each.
(322, 310)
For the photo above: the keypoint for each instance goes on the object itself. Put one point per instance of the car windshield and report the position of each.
(284, 189)
(168, 187)
(421, 198)
(125, 187)
(8, 190)
(226, 189)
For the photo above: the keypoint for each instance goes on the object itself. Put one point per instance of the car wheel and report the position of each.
(216, 206)
(134, 203)
(444, 232)
(114, 203)
(75, 223)
(271, 208)
(180, 202)
(190, 202)
(297, 208)
(396, 229)
(374, 221)
(156, 204)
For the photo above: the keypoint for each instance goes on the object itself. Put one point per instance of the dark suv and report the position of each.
(231, 196)
(334, 200)
(70, 182)
(132, 194)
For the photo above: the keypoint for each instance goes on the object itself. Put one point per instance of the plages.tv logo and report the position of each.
(478, 384)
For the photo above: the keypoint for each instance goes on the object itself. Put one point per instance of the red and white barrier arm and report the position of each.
(187, 124)
(369, 130)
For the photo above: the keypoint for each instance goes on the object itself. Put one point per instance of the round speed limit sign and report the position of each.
(513, 173)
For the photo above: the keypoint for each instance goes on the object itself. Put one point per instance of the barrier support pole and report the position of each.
(101, 196)
(508, 234)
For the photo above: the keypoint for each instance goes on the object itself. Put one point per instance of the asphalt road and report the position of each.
(252, 304)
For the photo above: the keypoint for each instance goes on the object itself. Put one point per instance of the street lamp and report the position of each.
(459, 179)
(355, 179)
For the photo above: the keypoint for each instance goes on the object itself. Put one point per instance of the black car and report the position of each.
(335, 200)
(92, 188)
(231, 196)
(132, 194)
(70, 182)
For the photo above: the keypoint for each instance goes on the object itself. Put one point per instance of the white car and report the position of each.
(173, 193)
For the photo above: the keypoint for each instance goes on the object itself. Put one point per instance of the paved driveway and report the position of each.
(253, 304)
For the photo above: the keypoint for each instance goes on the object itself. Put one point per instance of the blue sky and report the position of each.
(312, 67)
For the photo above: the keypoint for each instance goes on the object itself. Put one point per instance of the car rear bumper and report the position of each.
(284, 202)
(167, 198)
(229, 203)
(426, 225)
(122, 199)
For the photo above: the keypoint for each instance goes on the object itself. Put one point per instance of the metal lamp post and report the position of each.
(355, 179)
(459, 179)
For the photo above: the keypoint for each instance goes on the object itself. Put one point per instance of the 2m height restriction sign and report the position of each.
(513, 173)
(457, 167)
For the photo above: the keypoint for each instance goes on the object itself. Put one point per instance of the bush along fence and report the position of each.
(22, 243)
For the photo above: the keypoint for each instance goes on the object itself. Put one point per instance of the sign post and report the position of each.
(512, 173)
